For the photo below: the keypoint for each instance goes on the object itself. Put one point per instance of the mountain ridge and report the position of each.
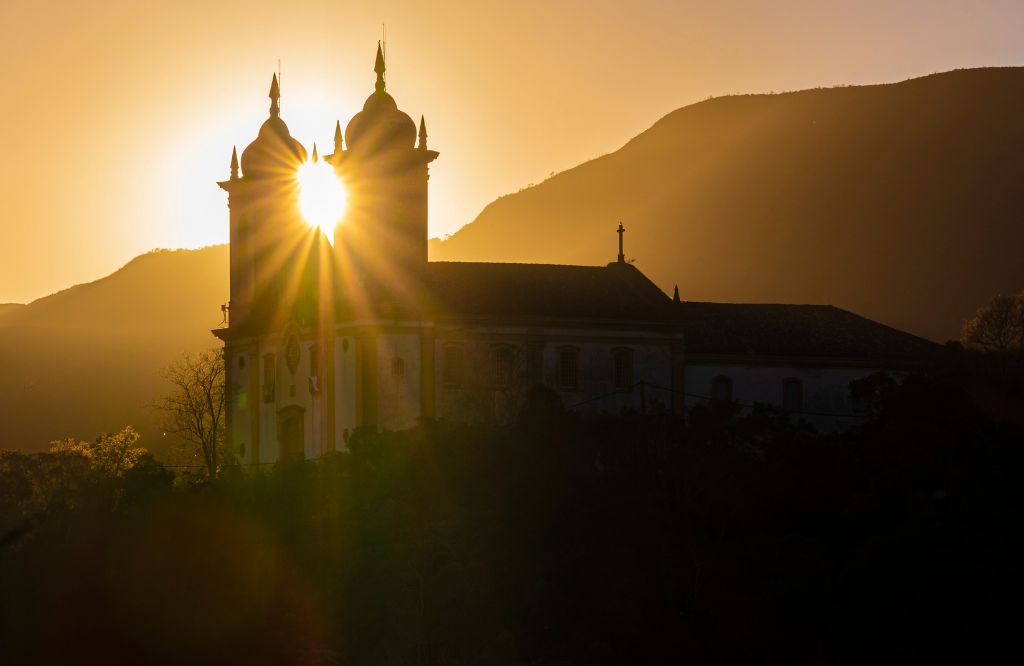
(847, 196)
(88, 359)
(840, 187)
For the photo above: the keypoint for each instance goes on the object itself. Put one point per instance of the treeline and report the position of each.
(622, 539)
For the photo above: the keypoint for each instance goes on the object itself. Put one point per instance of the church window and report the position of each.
(568, 368)
(792, 394)
(452, 366)
(314, 370)
(269, 377)
(314, 361)
(622, 361)
(398, 367)
(721, 389)
(502, 360)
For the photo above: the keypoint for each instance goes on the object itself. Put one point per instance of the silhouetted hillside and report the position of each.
(900, 202)
(88, 359)
(9, 307)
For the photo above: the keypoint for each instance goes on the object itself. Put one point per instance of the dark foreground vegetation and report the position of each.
(731, 538)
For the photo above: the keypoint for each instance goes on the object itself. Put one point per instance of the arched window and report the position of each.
(568, 368)
(793, 394)
(501, 363)
(314, 370)
(721, 389)
(622, 368)
(314, 361)
(452, 366)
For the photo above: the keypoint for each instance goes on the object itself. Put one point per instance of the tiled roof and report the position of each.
(809, 331)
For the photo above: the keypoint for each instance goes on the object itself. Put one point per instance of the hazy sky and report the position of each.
(118, 117)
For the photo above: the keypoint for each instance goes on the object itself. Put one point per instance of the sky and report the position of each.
(118, 117)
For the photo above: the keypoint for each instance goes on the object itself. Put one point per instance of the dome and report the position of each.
(380, 125)
(274, 152)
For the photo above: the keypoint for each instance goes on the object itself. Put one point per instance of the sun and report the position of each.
(322, 196)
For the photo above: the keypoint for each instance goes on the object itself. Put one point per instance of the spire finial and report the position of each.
(621, 230)
(275, 97)
(423, 134)
(234, 163)
(337, 138)
(379, 67)
(675, 294)
(316, 158)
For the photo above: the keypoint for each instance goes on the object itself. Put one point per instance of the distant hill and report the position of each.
(88, 359)
(901, 202)
(9, 307)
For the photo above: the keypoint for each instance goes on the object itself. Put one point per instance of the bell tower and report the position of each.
(384, 164)
(264, 224)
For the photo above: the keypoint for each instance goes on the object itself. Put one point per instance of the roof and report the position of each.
(619, 294)
(615, 292)
(794, 331)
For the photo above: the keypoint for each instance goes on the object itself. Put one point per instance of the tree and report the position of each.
(194, 408)
(998, 326)
(111, 453)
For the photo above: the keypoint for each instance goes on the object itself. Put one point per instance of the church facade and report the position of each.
(325, 337)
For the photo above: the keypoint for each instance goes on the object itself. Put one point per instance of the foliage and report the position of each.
(33, 485)
(73, 478)
(111, 454)
(194, 407)
(730, 538)
(998, 326)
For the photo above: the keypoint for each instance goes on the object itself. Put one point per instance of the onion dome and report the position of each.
(380, 125)
(274, 152)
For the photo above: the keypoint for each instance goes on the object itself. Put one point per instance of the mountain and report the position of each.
(9, 307)
(901, 202)
(88, 359)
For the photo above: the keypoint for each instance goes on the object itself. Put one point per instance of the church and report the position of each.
(328, 335)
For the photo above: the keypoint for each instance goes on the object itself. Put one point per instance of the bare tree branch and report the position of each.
(194, 407)
(998, 326)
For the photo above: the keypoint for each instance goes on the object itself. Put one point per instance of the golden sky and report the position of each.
(119, 116)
